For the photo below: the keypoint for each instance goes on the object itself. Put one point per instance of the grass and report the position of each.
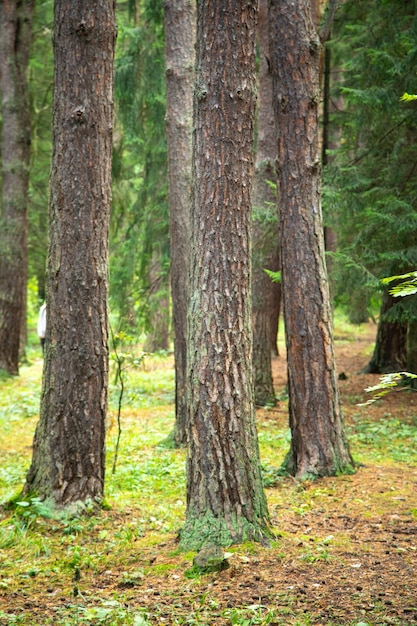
(87, 570)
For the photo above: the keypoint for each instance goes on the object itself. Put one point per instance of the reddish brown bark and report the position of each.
(319, 445)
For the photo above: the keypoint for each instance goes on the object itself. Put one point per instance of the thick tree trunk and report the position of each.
(180, 26)
(265, 293)
(225, 498)
(15, 37)
(69, 445)
(319, 445)
(390, 351)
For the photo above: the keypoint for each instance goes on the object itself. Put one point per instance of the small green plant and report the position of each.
(253, 615)
(110, 613)
(28, 511)
(272, 476)
(123, 361)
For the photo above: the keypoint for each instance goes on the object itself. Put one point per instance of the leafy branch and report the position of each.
(406, 287)
(386, 384)
(408, 97)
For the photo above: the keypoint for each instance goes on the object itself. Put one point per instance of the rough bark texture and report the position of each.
(266, 294)
(15, 37)
(225, 498)
(69, 445)
(180, 26)
(390, 352)
(319, 445)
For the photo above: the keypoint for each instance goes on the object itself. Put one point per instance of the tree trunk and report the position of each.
(225, 498)
(158, 303)
(319, 445)
(180, 26)
(412, 351)
(15, 37)
(265, 292)
(390, 351)
(69, 445)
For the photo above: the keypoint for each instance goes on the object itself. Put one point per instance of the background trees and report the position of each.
(69, 445)
(15, 37)
(140, 220)
(371, 182)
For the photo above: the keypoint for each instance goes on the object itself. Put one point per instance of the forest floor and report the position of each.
(345, 551)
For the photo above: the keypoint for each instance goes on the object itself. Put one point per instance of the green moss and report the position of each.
(208, 529)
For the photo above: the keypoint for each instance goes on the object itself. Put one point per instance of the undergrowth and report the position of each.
(53, 562)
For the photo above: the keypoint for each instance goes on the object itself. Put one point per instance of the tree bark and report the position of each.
(15, 38)
(69, 445)
(265, 252)
(319, 446)
(225, 498)
(180, 26)
(390, 351)
(158, 306)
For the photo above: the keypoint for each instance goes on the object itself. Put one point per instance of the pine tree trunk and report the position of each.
(180, 26)
(412, 351)
(319, 445)
(390, 351)
(69, 446)
(159, 310)
(265, 292)
(15, 37)
(225, 498)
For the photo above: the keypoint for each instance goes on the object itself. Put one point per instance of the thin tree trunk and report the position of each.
(69, 445)
(180, 26)
(412, 351)
(158, 313)
(265, 252)
(319, 445)
(15, 38)
(225, 498)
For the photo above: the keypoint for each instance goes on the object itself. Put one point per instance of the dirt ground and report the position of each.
(346, 548)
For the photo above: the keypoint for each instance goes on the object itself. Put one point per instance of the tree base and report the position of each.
(336, 469)
(208, 530)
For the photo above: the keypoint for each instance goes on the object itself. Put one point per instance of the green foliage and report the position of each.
(388, 438)
(370, 182)
(41, 68)
(387, 383)
(139, 224)
(276, 277)
(252, 615)
(110, 613)
(406, 97)
(407, 284)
